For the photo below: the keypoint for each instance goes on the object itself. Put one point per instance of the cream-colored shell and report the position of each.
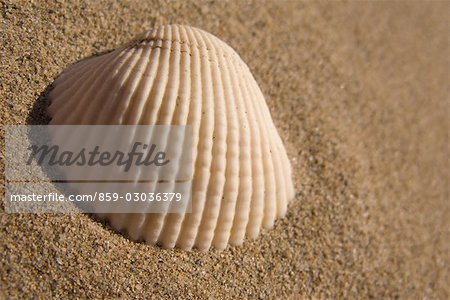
(182, 75)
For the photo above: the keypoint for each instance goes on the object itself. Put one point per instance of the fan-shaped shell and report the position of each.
(182, 75)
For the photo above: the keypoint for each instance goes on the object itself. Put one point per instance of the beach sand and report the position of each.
(359, 93)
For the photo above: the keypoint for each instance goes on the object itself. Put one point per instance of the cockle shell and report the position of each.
(181, 75)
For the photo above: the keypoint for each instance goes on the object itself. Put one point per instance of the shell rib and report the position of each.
(181, 75)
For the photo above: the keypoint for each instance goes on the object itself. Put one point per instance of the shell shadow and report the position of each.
(38, 115)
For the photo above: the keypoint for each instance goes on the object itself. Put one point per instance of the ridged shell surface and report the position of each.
(180, 75)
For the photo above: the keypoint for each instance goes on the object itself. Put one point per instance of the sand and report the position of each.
(359, 92)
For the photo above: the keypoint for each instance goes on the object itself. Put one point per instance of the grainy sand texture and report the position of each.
(360, 93)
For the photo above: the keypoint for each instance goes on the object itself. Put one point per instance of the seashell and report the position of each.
(181, 75)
